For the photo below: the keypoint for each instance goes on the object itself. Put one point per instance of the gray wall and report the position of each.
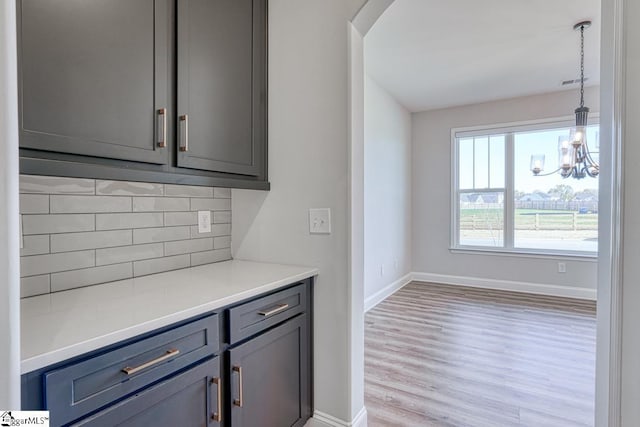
(631, 223)
(387, 190)
(9, 257)
(80, 232)
(308, 168)
(432, 181)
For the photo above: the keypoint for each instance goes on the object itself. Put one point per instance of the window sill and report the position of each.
(523, 253)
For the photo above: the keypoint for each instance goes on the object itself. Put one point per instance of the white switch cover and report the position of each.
(320, 221)
(204, 221)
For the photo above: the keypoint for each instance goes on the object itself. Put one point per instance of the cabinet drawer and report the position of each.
(83, 387)
(189, 399)
(250, 318)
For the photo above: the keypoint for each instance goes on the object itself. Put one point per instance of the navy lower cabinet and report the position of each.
(245, 365)
(192, 398)
(269, 359)
(270, 378)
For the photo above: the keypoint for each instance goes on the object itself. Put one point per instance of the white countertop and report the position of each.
(62, 325)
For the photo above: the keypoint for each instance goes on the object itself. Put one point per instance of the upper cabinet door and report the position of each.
(221, 55)
(94, 77)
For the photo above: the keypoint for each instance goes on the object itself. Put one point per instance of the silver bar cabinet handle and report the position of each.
(169, 354)
(184, 142)
(238, 401)
(162, 127)
(217, 416)
(278, 309)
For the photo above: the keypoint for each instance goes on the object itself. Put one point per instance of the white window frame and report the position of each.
(506, 129)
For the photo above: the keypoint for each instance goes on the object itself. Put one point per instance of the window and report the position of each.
(500, 205)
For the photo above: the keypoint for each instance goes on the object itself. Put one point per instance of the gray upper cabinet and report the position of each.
(171, 91)
(221, 49)
(94, 76)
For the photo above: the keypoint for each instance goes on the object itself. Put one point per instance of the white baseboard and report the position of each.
(507, 285)
(383, 293)
(360, 420)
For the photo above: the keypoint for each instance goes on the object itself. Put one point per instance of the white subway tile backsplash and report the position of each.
(128, 220)
(90, 204)
(180, 218)
(81, 232)
(160, 204)
(48, 224)
(34, 285)
(188, 246)
(221, 193)
(35, 245)
(123, 188)
(55, 185)
(187, 191)
(90, 276)
(128, 253)
(159, 265)
(210, 204)
(160, 234)
(222, 242)
(53, 263)
(216, 230)
(90, 240)
(208, 257)
(221, 217)
(34, 203)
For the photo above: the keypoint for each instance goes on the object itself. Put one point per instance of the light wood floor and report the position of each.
(438, 355)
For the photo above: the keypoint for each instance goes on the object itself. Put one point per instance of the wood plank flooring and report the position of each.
(439, 355)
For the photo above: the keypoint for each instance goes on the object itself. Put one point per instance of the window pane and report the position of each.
(481, 174)
(496, 161)
(465, 163)
(481, 219)
(551, 212)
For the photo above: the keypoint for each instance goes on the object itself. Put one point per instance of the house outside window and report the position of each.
(499, 205)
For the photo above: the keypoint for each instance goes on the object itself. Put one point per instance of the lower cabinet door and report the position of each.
(269, 377)
(189, 399)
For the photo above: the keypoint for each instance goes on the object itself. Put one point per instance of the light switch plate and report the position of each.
(204, 221)
(320, 221)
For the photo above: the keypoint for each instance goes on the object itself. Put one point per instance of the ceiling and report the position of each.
(432, 54)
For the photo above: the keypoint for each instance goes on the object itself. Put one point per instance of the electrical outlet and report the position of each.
(562, 267)
(320, 221)
(204, 221)
(381, 270)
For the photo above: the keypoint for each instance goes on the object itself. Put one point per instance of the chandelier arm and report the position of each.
(588, 156)
(592, 175)
(591, 161)
(549, 173)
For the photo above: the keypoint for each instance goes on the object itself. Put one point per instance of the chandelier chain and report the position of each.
(582, 66)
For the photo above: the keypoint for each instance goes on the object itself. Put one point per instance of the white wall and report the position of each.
(432, 182)
(309, 167)
(631, 222)
(9, 246)
(356, 226)
(387, 191)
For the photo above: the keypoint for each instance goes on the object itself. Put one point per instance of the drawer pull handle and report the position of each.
(162, 127)
(278, 309)
(184, 142)
(238, 401)
(169, 354)
(217, 416)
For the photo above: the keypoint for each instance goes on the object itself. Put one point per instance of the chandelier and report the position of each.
(574, 158)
